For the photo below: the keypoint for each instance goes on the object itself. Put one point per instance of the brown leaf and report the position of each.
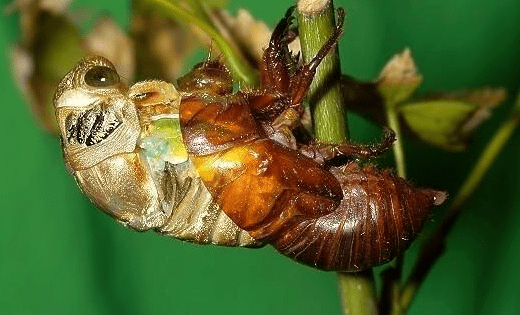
(42, 57)
(246, 34)
(399, 78)
(251, 35)
(110, 41)
(162, 46)
(29, 14)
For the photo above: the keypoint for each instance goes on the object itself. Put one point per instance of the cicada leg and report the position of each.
(276, 59)
(301, 82)
(322, 152)
(284, 86)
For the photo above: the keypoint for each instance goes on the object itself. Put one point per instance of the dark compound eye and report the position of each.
(101, 77)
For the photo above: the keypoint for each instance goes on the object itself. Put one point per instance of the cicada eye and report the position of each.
(101, 77)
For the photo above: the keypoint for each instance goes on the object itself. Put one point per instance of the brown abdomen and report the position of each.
(378, 218)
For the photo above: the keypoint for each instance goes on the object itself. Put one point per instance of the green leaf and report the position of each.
(437, 122)
(448, 120)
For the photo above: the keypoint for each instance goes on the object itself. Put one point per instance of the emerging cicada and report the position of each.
(211, 166)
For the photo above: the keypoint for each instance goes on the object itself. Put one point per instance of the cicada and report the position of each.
(205, 164)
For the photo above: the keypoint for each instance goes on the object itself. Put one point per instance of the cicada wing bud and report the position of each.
(378, 218)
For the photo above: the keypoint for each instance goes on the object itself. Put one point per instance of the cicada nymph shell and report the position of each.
(212, 166)
(283, 192)
(125, 149)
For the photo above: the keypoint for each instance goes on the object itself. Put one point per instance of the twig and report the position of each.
(315, 23)
(393, 123)
(358, 293)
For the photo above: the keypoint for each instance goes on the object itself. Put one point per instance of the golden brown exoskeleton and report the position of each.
(335, 218)
(237, 176)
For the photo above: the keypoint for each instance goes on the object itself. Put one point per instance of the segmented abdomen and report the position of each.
(379, 216)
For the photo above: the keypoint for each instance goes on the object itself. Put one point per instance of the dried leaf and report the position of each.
(162, 45)
(399, 79)
(30, 12)
(54, 6)
(247, 35)
(447, 120)
(108, 40)
(40, 63)
(251, 35)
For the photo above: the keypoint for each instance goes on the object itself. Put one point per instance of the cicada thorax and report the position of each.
(195, 216)
(125, 149)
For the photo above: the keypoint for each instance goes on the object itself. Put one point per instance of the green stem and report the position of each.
(241, 71)
(198, 9)
(358, 293)
(392, 277)
(325, 97)
(436, 243)
(393, 123)
(487, 158)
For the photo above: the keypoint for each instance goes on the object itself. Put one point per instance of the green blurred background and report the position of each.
(59, 255)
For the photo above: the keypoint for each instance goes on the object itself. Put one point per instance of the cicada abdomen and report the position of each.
(379, 216)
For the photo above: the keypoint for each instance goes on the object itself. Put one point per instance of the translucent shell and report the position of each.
(125, 149)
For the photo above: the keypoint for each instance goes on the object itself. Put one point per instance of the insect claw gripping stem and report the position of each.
(291, 35)
(274, 64)
(333, 39)
(322, 152)
(300, 84)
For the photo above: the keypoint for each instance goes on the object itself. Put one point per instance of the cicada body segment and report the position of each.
(379, 216)
(334, 218)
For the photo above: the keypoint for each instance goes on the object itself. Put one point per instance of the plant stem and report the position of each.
(393, 123)
(198, 9)
(357, 293)
(436, 243)
(487, 158)
(392, 275)
(241, 71)
(316, 23)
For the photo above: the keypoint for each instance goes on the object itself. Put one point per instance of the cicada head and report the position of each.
(100, 129)
(96, 118)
